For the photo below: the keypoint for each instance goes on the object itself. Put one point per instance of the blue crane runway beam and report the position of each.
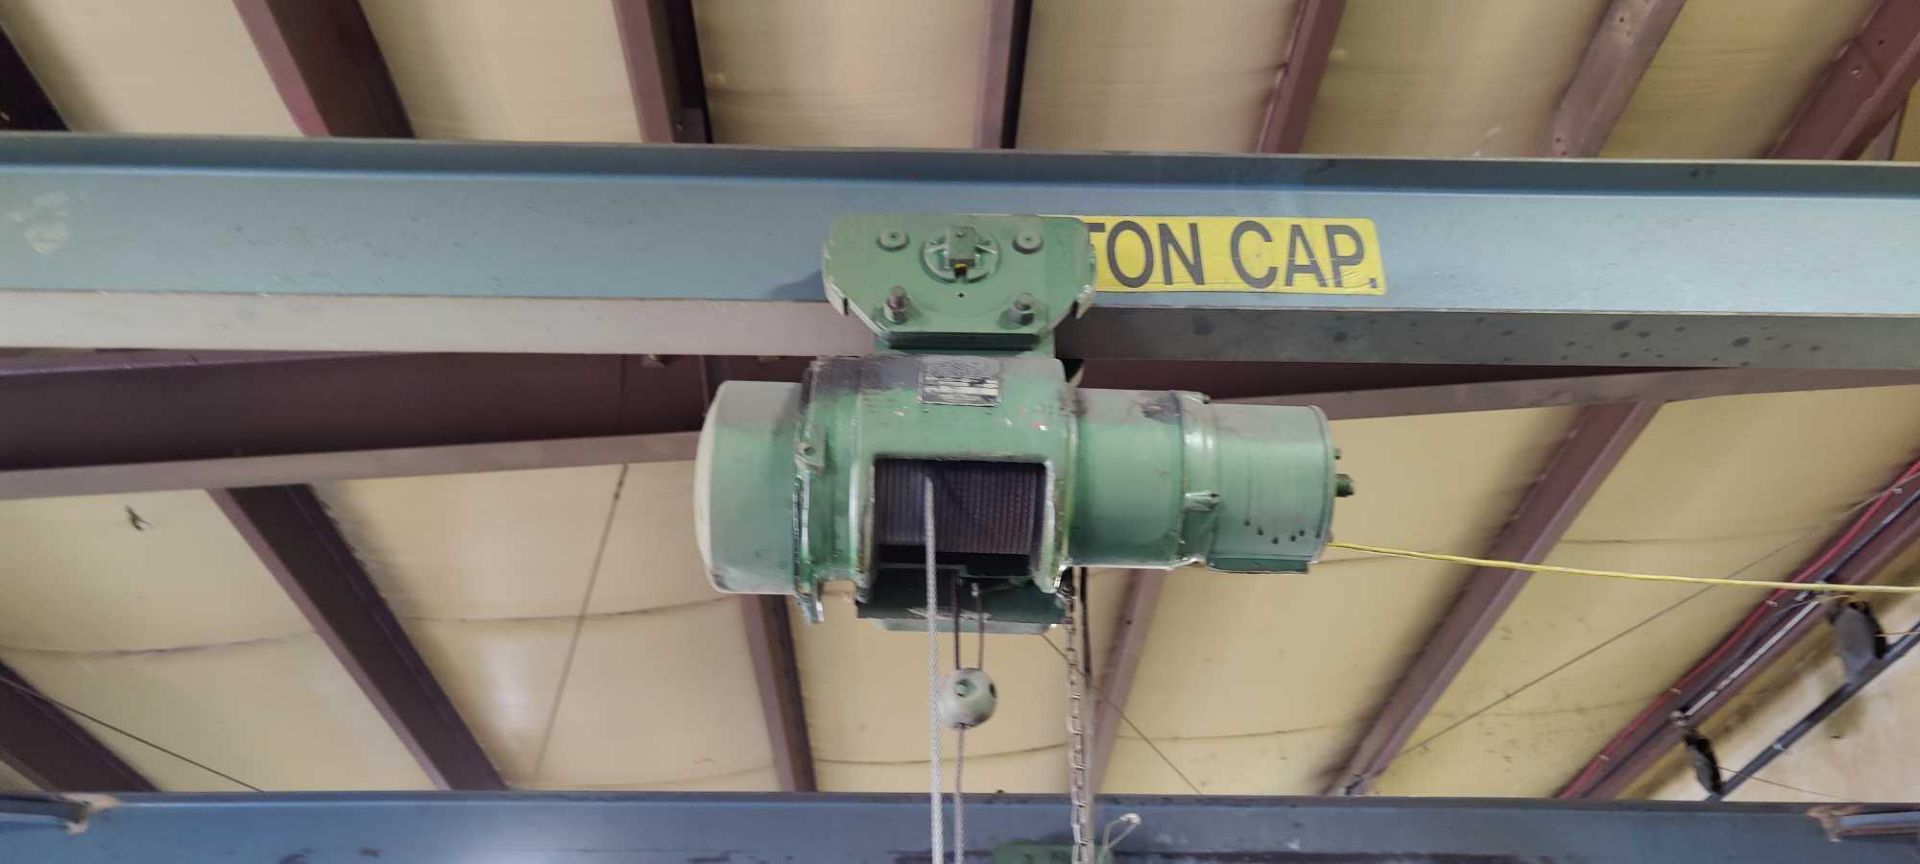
(579, 828)
(360, 245)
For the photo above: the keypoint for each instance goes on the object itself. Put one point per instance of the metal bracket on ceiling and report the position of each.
(1857, 638)
(1706, 766)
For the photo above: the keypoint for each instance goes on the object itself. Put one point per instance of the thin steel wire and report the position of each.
(1718, 581)
(579, 624)
(937, 836)
(29, 691)
(960, 744)
(1122, 714)
(1661, 613)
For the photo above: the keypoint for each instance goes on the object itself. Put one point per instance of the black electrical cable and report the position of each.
(1761, 629)
(1814, 718)
(1780, 616)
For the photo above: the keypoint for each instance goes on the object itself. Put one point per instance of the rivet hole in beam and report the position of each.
(1629, 34)
(1861, 89)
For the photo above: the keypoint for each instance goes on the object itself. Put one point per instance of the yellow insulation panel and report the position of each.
(490, 574)
(150, 612)
(1152, 74)
(1906, 148)
(280, 714)
(847, 73)
(1261, 684)
(1451, 78)
(505, 69)
(1730, 76)
(1747, 485)
(152, 67)
(14, 781)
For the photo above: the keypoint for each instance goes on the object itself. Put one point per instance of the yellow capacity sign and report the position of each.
(1235, 253)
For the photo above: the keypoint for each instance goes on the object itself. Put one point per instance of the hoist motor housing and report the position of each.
(802, 484)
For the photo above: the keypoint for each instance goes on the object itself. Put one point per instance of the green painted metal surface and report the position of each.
(896, 273)
(963, 309)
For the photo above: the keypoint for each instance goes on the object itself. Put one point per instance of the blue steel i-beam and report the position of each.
(568, 828)
(331, 245)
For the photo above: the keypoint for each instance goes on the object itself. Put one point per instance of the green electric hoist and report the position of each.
(964, 403)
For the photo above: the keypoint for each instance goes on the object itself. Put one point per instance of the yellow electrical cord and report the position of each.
(1639, 577)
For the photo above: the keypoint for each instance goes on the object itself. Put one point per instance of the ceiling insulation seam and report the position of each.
(235, 710)
(757, 779)
(497, 639)
(598, 615)
(238, 644)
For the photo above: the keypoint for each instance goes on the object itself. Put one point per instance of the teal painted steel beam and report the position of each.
(578, 828)
(417, 245)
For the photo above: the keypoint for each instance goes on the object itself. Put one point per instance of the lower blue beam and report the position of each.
(642, 828)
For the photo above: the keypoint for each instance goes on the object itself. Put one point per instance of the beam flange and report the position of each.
(324, 61)
(1299, 82)
(293, 468)
(834, 829)
(290, 531)
(777, 675)
(105, 423)
(1861, 89)
(1115, 684)
(1600, 436)
(1621, 49)
(52, 749)
(1673, 386)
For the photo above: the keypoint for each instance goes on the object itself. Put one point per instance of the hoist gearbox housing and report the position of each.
(802, 484)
